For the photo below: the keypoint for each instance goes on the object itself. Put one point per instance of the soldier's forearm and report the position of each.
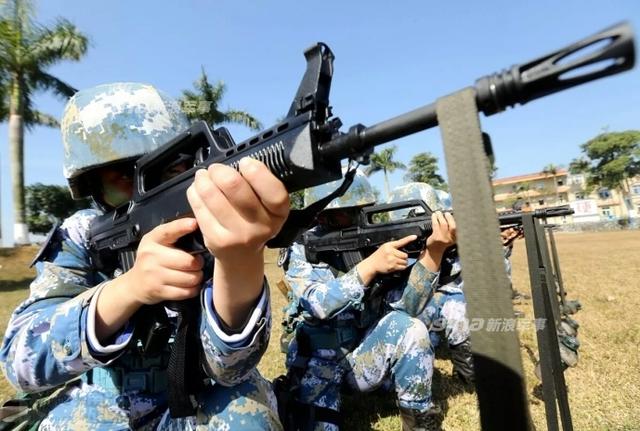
(114, 308)
(237, 284)
(432, 259)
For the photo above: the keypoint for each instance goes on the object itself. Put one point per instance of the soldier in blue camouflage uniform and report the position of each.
(344, 333)
(446, 312)
(75, 331)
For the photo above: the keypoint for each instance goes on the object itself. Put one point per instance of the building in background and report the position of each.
(542, 190)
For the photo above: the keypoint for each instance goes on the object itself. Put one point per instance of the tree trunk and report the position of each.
(386, 184)
(627, 200)
(16, 148)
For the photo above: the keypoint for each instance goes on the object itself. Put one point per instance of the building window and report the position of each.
(560, 182)
(604, 193)
(541, 202)
(577, 180)
(635, 189)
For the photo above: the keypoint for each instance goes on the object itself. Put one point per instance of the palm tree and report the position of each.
(202, 104)
(27, 50)
(383, 161)
(552, 169)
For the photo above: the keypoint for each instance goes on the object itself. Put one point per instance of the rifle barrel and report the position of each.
(517, 85)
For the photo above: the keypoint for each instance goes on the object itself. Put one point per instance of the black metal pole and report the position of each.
(556, 265)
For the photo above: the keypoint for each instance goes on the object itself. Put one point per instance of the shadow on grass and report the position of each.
(362, 410)
(445, 387)
(15, 285)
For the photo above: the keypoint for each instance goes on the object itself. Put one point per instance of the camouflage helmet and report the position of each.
(445, 199)
(359, 194)
(413, 191)
(114, 122)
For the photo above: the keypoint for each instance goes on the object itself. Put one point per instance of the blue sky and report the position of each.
(391, 57)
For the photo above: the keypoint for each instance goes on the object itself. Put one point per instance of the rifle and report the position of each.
(307, 147)
(355, 243)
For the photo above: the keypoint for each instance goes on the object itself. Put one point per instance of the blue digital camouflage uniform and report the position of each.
(348, 333)
(394, 346)
(446, 312)
(50, 340)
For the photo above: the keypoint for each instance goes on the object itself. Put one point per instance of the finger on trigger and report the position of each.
(168, 233)
(404, 241)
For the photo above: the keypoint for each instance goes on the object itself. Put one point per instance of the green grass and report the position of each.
(599, 269)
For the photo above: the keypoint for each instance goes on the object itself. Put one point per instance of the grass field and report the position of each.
(602, 270)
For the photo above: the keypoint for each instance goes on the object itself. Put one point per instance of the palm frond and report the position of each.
(372, 169)
(9, 40)
(52, 45)
(37, 118)
(20, 12)
(244, 118)
(202, 103)
(40, 80)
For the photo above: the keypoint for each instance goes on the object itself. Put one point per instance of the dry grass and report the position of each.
(15, 276)
(600, 269)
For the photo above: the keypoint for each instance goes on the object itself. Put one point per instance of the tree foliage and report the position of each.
(610, 159)
(423, 168)
(47, 204)
(27, 51)
(203, 103)
(383, 162)
(297, 200)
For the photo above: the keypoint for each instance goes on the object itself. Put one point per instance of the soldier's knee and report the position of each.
(250, 405)
(409, 332)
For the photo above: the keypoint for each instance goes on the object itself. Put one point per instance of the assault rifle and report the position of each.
(307, 147)
(354, 243)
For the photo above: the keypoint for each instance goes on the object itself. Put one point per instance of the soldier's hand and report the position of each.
(238, 212)
(444, 231)
(442, 237)
(161, 271)
(510, 235)
(388, 258)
